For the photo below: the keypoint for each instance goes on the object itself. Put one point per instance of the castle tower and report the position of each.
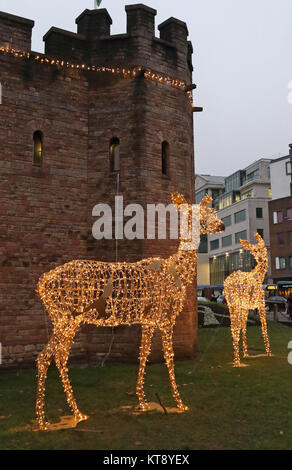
(77, 117)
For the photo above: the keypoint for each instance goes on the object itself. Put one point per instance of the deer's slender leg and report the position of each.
(147, 333)
(166, 335)
(243, 327)
(262, 313)
(235, 331)
(61, 359)
(244, 343)
(43, 363)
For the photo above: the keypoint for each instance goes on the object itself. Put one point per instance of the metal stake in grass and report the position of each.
(161, 404)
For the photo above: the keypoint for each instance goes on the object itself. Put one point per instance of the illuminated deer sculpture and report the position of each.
(244, 292)
(150, 292)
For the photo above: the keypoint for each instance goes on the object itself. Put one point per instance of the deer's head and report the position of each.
(208, 217)
(196, 220)
(259, 250)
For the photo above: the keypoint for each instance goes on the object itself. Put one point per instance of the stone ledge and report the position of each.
(64, 32)
(16, 19)
(115, 37)
(101, 11)
(140, 6)
(173, 20)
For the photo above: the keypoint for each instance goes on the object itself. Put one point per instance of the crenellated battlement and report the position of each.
(94, 23)
(93, 43)
(140, 20)
(171, 53)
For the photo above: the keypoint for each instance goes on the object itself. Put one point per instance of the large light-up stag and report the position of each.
(150, 293)
(244, 292)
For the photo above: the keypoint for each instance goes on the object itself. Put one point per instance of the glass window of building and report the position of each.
(290, 238)
(227, 241)
(277, 217)
(222, 266)
(277, 262)
(225, 201)
(214, 244)
(280, 262)
(254, 175)
(227, 221)
(216, 193)
(290, 262)
(289, 214)
(165, 158)
(280, 237)
(37, 158)
(200, 195)
(240, 236)
(203, 247)
(260, 232)
(228, 199)
(114, 154)
(259, 212)
(248, 194)
(233, 182)
(240, 216)
(236, 196)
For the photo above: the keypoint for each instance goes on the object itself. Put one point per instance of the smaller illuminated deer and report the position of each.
(244, 292)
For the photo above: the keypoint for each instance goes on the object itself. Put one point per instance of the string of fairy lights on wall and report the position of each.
(129, 72)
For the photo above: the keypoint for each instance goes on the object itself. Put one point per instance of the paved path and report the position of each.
(282, 317)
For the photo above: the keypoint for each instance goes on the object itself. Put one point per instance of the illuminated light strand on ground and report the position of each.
(126, 72)
(150, 293)
(244, 292)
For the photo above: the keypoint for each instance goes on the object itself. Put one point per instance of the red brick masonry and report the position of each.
(46, 213)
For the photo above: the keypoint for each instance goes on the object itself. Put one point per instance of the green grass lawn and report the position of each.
(230, 408)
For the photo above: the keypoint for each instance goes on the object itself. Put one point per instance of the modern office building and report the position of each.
(243, 207)
(214, 186)
(280, 209)
(207, 184)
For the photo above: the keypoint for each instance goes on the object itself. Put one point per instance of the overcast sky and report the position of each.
(242, 66)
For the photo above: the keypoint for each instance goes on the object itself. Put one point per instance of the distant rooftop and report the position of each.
(213, 179)
(285, 156)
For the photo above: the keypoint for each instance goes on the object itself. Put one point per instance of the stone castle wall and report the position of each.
(46, 213)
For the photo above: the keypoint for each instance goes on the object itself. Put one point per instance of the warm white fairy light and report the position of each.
(150, 292)
(244, 292)
(125, 72)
